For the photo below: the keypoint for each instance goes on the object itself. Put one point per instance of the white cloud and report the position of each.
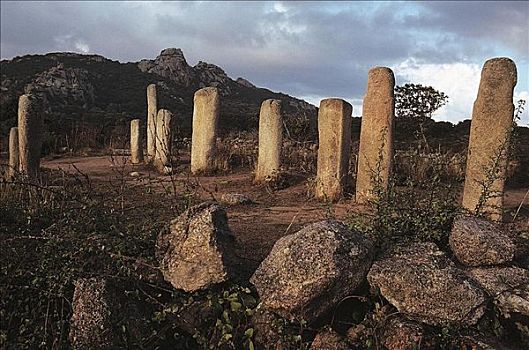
(460, 81)
(280, 7)
(82, 47)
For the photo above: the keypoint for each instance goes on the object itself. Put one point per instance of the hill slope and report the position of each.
(94, 89)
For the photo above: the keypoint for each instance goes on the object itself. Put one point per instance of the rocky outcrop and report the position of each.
(170, 64)
(477, 242)
(197, 250)
(310, 271)
(424, 284)
(94, 87)
(211, 75)
(68, 85)
(244, 82)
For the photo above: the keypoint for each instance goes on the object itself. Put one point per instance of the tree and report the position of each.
(418, 102)
(415, 104)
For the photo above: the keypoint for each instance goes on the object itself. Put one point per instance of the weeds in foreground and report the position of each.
(63, 227)
(410, 209)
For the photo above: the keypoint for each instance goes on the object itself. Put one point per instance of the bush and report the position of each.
(418, 205)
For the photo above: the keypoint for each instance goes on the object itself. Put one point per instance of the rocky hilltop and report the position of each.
(94, 89)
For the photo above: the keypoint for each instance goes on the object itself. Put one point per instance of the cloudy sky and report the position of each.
(311, 50)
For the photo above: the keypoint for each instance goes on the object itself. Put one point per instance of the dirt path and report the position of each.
(259, 225)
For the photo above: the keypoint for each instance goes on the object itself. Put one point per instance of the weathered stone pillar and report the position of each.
(205, 122)
(152, 110)
(334, 129)
(29, 134)
(376, 135)
(136, 144)
(14, 162)
(270, 140)
(163, 139)
(490, 132)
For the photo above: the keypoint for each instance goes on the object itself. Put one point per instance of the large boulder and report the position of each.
(477, 242)
(92, 322)
(197, 250)
(509, 286)
(422, 283)
(310, 271)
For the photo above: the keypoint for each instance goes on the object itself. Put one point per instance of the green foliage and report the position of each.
(417, 102)
(413, 209)
(63, 227)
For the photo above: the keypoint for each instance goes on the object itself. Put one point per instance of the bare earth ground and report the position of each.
(256, 226)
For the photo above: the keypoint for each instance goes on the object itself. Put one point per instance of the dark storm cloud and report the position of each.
(501, 23)
(314, 48)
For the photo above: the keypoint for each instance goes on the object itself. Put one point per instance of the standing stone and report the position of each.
(334, 128)
(376, 136)
(29, 134)
(136, 144)
(205, 123)
(13, 153)
(152, 108)
(163, 139)
(270, 140)
(490, 132)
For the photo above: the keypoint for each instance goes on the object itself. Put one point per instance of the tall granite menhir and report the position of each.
(334, 129)
(163, 140)
(490, 133)
(14, 162)
(29, 134)
(152, 110)
(270, 140)
(376, 135)
(136, 144)
(204, 135)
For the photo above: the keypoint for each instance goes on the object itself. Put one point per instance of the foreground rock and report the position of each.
(401, 334)
(328, 339)
(477, 242)
(310, 271)
(508, 285)
(422, 283)
(91, 322)
(267, 334)
(197, 252)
